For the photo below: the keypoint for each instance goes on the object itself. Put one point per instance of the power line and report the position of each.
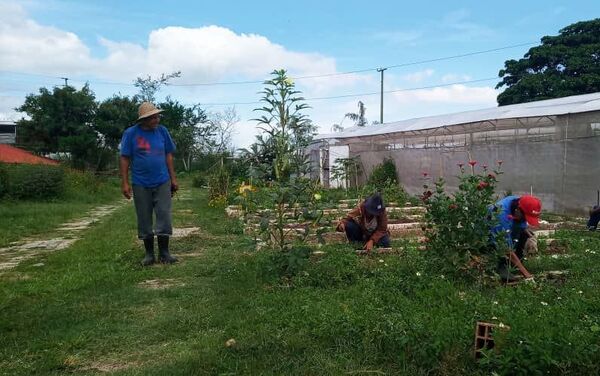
(364, 94)
(417, 62)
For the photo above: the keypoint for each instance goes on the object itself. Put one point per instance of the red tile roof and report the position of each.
(11, 154)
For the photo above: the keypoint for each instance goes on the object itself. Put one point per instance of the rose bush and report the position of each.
(457, 225)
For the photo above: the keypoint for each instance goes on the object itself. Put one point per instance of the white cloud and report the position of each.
(454, 94)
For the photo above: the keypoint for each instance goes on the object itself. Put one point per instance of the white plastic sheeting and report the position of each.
(560, 106)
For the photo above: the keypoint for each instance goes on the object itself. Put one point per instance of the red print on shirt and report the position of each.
(142, 143)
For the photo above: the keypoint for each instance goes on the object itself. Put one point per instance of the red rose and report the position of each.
(472, 163)
(482, 185)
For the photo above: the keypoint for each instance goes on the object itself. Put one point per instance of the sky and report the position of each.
(218, 44)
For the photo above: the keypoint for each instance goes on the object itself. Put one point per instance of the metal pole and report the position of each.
(381, 70)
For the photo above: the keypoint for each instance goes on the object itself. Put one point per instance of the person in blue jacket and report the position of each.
(515, 215)
(148, 149)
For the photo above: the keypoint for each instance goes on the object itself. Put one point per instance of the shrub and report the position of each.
(218, 187)
(200, 180)
(3, 180)
(458, 225)
(383, 174)
(34, 181)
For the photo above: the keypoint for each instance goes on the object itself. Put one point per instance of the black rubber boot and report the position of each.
(149, 246)
(163, 250)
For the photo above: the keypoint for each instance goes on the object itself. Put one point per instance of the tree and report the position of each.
(60, 121)
(563, 65)
(223, 124)
(150, 86)
(114, 115)
(189, 127)
(287, 129)
(359, 118)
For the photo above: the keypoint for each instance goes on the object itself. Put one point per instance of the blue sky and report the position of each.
(223, 41)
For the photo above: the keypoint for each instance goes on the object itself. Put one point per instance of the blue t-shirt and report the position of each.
(506, 224)
(147, 150)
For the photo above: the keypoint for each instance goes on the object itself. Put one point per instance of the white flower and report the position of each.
(418, 274)
(385, 264)
(544, 303)
(495, 302)
(520, 342)
(442, 276)
(580, 292)
(501, 325)
(380, 260)
(494, 318)
(554, 256)
(559, 298)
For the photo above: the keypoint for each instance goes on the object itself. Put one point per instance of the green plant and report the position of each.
(38, 182)
(218, 186)
(383, 174)
(284, 197)
(346, 170)
(3, 180)
(199, 180)
(288, 130)
(458, 225)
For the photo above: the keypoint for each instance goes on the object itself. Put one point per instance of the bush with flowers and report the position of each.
(458, 224)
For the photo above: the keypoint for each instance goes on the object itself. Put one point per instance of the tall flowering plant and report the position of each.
(458, 224)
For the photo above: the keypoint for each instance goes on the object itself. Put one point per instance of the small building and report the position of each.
(550, 148)
(8, 132)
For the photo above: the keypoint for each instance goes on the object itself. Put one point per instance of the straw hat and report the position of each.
(147, 109)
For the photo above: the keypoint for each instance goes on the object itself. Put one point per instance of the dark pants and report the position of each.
(149, 201)
(594, 219)
(356, 234)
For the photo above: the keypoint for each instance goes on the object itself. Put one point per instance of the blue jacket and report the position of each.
(506, 224)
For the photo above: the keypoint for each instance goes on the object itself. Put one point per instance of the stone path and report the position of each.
(69, 233)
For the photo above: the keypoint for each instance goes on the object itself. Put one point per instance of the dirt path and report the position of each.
(66, 234)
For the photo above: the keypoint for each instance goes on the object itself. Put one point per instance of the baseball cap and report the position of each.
(531, 207)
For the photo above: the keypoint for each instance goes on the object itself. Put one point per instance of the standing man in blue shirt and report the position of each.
(148, 149)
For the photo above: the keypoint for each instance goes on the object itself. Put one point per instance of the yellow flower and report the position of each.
(289, 81)
(317, 196)
(246, 187)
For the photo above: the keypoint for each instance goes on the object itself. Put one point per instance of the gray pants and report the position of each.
(157, 200)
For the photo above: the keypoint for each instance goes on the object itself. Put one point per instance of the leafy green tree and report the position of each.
(563, 65)
(359, 117)
(287, 129)
(114, 115)
(60, 121)
(190, 129)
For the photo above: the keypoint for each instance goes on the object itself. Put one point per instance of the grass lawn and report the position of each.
(91, 309)
(27, 218)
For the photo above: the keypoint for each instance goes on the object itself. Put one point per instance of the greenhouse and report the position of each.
(549, 148)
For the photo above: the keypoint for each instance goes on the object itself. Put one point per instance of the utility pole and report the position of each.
(381, 96)
(66, 81)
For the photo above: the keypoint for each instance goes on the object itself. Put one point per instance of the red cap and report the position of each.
(531, 207)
